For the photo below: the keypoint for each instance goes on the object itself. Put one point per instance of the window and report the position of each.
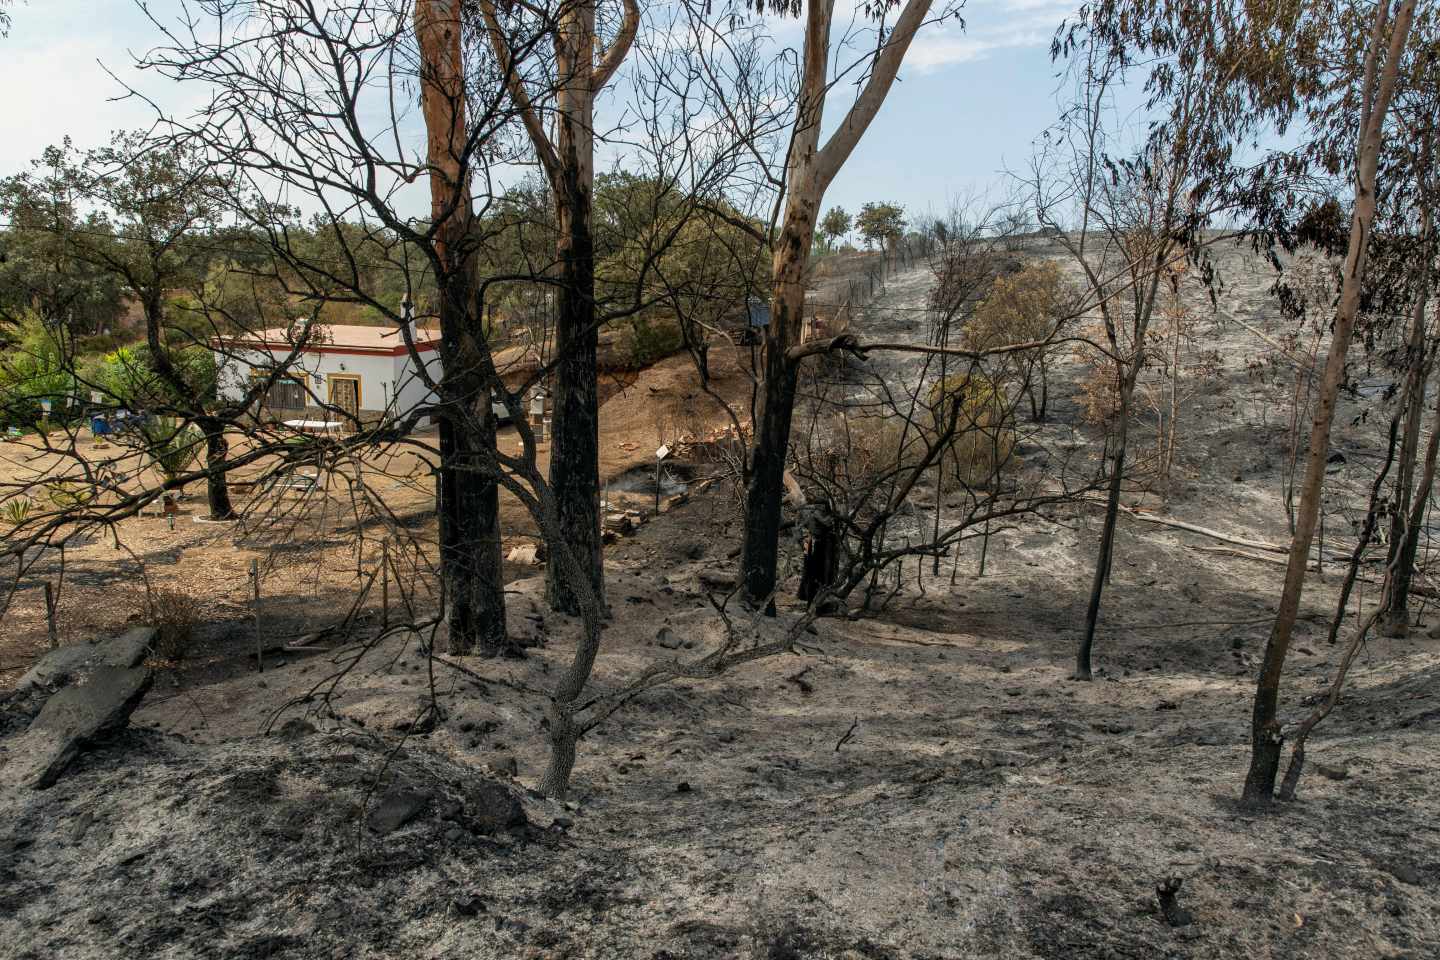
(286, 393)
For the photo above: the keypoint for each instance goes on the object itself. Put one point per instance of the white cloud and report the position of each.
(991, 25)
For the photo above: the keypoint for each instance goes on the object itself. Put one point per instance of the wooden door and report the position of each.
(345, 394)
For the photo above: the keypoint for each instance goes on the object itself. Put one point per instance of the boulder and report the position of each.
(719, 580)
(490, 807)
(395, 809)
(526, 554)
(97, 703)
(61, 665)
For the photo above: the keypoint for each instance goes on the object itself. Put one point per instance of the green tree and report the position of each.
(1023, 308)
(834, 225)
(881, 224)
(38, 270)
(151, 204)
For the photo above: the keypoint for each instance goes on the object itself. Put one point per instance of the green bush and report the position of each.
(651, 342)
(17, 510)
(171, 446)
(984, 427)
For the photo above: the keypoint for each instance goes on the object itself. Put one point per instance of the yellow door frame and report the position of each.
(330, 380)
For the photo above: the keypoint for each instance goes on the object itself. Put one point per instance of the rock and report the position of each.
(295, 728)
(507, 765)
(720, 581)
(562, 823)
(526, 554)
(60, 666)
(468, 904)
(395, 809)
(1332, 771)
(493, 808)
(1405, 873)
(98, 702)
(692, 549)
(1113, 727)
(667, 639)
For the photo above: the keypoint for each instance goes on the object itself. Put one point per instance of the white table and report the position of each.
(314, 426)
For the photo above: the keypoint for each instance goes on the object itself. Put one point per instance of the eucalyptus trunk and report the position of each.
(1266, 739)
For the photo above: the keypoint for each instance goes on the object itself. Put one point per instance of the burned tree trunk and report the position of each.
(1405, 533)
(217, 448)
(467, 496)
(766, 490)
(810, 170)
(575, 445)
(569, 165)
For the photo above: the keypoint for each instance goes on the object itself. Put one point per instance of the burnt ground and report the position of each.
(919, 782)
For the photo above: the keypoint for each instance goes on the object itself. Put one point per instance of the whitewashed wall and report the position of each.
(387, 382)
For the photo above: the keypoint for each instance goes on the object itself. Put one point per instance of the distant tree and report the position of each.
(835, 225)
(149, 203)
(880, 224)
(38, 270)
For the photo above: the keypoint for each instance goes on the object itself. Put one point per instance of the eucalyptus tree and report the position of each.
(563, 90)
(808, 168)
(1332, 69)
(1374, 88)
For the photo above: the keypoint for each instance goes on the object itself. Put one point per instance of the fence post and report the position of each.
(385, 584)
(50, 630)
(255, 610)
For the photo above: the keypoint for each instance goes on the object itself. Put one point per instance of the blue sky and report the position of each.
(968, 105)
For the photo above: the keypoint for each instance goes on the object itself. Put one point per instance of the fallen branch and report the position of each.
(1216, 534)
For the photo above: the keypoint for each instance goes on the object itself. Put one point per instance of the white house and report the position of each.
(366, 371)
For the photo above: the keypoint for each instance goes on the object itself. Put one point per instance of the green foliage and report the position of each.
(171, 446)
(17, 510)
(977, 410)
(127, 377)
(67, 494)
(653, 340)
(834, 225)
(39, 273)
(33, 369)
(880, 224)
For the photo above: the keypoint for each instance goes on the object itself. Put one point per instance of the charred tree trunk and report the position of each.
(1107, 546)
(766, 490)
(467, 500)
(810, 170)
(1394, 621)
(575, 445)
(1265, 736)
(1105, 555)
(217, 492)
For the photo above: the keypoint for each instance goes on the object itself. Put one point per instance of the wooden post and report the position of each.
(255, 610)
(384, 584)
(50, 630)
